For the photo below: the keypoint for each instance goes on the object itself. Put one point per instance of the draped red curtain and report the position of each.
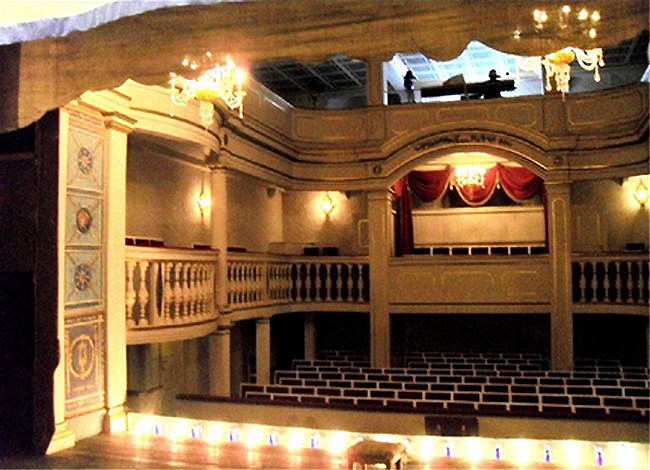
(518, 183)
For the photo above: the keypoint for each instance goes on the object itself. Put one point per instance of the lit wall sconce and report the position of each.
(641, 194)
(327, 205)
(203, 202)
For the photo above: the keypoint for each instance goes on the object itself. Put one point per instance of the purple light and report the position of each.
(273, 438)
(497, 453)
(157, 429)
(448, 451)
(599, 457)
(547, 455)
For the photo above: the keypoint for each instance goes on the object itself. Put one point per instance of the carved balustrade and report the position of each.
(256, 280)
(614, 279)
(169, 287)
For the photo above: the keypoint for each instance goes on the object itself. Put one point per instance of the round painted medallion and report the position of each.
(84, 220)
(82, 276)
(85, 160)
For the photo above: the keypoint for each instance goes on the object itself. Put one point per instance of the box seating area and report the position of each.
(510, 385)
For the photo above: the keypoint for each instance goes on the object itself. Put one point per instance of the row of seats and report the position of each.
(399, 374)
(630, 388)
(570, 406)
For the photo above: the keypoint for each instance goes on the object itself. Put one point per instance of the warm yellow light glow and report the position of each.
(523, 452)
(220, 81)
(254, 437)
(469, 175)
(178, 431)
(215, 433)
(595, 16)
(583, 15)
(566, 9)
(337, 443)
(203, 201)
(143, 426)
(327, 205)
(641, 194)
(296, 440)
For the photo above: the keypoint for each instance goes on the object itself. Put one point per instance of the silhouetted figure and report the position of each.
(494, 79)
(408, 86)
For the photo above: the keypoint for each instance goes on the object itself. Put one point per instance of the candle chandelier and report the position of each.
(469, 175)
(220, 81)
(564, 23)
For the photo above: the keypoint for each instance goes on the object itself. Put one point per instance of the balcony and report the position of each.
(170, 293)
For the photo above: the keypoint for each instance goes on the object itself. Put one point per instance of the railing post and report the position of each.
(154, 314)
(130, 293)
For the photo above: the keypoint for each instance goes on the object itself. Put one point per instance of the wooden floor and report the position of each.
(125, 451)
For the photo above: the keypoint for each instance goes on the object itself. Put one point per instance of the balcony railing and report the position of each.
(256, 280)
(610, 279)
(170, 293)
(169, 287)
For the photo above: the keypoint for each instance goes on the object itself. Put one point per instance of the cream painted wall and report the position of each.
(254, 213)
(606, 216)
(161, 197)
(305, 223)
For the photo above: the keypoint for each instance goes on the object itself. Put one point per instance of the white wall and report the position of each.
(305, 223)
(161, 198)
(254, 213)
(606, 216)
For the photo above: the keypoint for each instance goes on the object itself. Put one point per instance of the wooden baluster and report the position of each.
(202, 287)
(130, 294)
(338, 281)
(154, 313)
(582, 283)
(178, 293)
(193, 290)
(168, 294)
(185, 287)
(626, 281)
(143, 293)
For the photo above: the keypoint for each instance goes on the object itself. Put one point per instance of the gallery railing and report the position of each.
(256, 280)
(168, 287)
(618, 279)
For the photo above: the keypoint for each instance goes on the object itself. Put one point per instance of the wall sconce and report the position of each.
(203, 202)
(641, 194)
(327, 204)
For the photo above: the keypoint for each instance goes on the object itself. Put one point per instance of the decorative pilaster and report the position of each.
(219, 233)
(559, 237)
(220, 361)
(119, 127)
(263, 351)
(379, 251)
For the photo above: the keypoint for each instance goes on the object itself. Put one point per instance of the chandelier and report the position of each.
(558, 65)
(221, 81)
(469, 175)
(564, 24)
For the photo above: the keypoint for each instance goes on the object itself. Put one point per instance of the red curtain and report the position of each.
(429, 186)
(518, 183)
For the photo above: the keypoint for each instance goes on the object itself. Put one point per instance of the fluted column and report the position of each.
(263, 351)
(559, 238)
(219, 350)
(379, 252)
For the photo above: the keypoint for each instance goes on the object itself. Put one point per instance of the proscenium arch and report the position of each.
(439, 145)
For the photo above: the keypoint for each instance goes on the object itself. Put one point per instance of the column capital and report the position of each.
(263, 320)
(380, 195)
(218, 161)
(119, 122)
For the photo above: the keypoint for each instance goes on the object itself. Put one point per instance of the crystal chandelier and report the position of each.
(558, 65)
(564, 24)
(469, 175)
(221, 81)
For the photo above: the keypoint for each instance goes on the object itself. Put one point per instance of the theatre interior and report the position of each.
(234, 235)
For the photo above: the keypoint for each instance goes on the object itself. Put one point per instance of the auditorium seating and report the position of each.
(464, 383)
